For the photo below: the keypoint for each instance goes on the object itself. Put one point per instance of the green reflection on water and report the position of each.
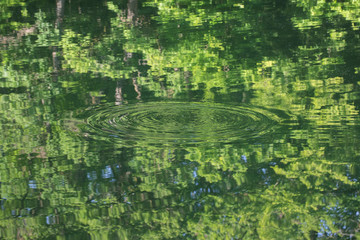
(185, 120)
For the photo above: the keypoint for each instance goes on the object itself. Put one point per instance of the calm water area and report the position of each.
(157, 119)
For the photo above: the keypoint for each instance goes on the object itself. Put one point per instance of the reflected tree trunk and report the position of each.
(136, 87)
(118, 94)
(58, 25)
(132, 11)
(59, 13)
(56, 53)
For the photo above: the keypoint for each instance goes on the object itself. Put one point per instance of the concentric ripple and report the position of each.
(178, 122)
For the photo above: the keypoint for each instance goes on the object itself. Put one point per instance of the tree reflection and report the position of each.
(295, 59)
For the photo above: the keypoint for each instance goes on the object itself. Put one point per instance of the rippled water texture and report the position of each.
(178, 122)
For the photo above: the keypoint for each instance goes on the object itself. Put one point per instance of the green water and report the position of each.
(179, 119)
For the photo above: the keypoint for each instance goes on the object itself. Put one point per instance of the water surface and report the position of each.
(179, 120)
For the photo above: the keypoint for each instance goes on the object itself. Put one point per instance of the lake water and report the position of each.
(179, 119)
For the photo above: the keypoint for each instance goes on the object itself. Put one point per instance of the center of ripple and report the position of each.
(178, 122)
